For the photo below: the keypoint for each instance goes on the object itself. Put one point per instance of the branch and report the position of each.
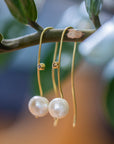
(53, 35)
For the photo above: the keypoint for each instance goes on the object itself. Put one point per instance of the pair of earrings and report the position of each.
(58, 108)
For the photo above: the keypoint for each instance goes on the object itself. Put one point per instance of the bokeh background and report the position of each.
(94, 83)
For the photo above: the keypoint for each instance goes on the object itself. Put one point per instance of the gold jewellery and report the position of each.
(57, 113)
(58, 107)
(38, 105)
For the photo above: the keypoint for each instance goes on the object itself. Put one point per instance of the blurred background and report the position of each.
(94, 78)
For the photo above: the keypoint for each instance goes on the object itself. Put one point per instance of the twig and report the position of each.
(53, 35)
(96, 21)
(36, 26)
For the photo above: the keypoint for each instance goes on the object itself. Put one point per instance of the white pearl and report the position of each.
(58, 108)
(38, 106)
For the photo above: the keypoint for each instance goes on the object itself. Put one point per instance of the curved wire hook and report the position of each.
(72, 76)
(54, 66)
(41, 66)
(59, 60)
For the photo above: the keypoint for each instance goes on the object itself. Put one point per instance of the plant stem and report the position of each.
(1, 37)
(96, 21)
(53, 35)
(36, 26)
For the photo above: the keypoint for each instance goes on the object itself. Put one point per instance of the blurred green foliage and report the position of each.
(11, 29)
(23, 10)
(110, 102)
(1, 37)
(93, 7)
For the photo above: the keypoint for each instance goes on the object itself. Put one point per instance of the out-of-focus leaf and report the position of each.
(110, 102)
(99, 47)
(11, 29)
(108, 72)
(93, 7)
(1, 37)
(76, 17)
(23, 10)
(66, 60)
(4, 58)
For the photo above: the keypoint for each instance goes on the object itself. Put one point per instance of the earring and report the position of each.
(38, 105)
(55, 66)
(59, 107)
(72, 86)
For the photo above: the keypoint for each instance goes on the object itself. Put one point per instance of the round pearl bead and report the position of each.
(38, 106)
(58, 108)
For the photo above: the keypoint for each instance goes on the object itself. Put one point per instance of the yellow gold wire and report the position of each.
(38, 61)
(53, 70)
(72, 86)
(59, 60)
(55, 122)
(53, 79)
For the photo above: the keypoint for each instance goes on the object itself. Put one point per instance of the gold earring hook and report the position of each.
(41, 66)
(54, 66)
(59, 60)
(72, 76)
(72, 86)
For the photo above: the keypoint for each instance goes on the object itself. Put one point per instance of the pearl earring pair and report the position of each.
(39, 106)
(58, 108)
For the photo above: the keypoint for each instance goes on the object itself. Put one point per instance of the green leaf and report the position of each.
(93, 7)
(110, 102)
(23, 10)
(1, 37)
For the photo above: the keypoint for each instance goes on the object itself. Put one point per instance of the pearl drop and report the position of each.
(58, 108)
(38, 106)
